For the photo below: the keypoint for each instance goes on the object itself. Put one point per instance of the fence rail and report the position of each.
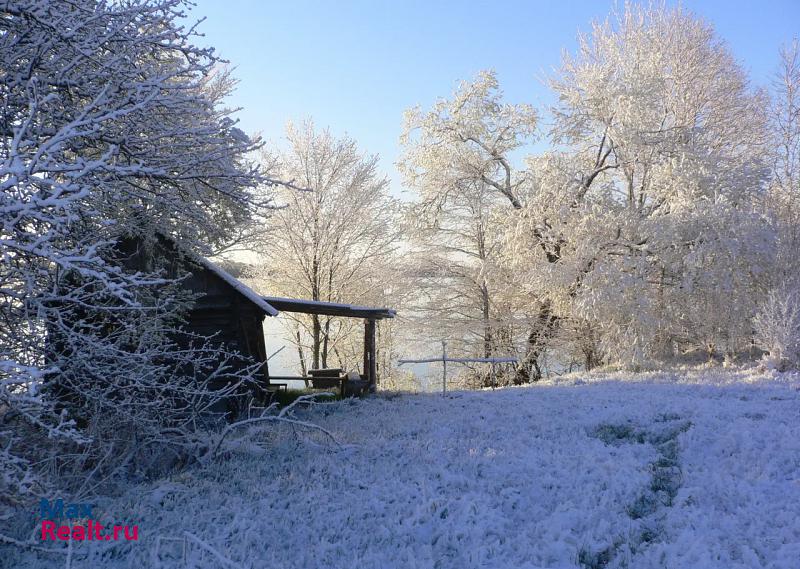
(444, 360)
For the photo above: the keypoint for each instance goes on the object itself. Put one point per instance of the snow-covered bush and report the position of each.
(777, 327)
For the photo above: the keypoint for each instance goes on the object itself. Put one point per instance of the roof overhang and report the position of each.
(328, 308)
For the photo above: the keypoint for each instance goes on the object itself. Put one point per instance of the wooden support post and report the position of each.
(365, 369)
(373, 370)
(370, 355)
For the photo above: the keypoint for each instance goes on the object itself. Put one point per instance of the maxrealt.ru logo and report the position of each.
(53, 513)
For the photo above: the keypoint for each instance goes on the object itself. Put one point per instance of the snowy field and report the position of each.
(696, 470)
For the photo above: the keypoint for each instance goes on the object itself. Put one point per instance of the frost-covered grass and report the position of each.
(697, 469)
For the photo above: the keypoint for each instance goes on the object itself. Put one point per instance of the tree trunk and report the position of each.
(325, 342)
(303, 367)
(315, 333)
(315, 296)
(487, 326)
(529, 370)
(589, 358)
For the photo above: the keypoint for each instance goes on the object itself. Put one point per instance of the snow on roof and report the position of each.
(238, 285)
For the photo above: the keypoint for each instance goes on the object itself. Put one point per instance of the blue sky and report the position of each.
(355, 66)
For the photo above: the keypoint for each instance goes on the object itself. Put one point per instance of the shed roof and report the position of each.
(238, 286)
(329, 308)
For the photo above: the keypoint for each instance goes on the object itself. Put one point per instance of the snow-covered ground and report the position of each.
(690, 470)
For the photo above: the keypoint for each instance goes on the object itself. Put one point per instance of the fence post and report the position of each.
(444, 368)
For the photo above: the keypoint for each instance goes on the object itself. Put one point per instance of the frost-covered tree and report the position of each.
(784, 194)
(458, 160)
(467, 139)
(660, 157)
(455, 267)
(776, 325)
(334, 241)
(109, 129)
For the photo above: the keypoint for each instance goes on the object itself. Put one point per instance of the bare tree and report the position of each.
(334, 240)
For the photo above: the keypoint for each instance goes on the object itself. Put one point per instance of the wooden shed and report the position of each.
(233, 313)
(225, 308)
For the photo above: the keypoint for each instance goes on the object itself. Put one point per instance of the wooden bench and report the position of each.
(349, 384)
(327, 378)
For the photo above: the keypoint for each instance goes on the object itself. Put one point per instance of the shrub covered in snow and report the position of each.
(777, 328)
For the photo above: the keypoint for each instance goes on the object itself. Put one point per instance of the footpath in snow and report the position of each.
(700, 469)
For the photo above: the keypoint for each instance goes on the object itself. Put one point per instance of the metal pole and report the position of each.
(444, 368)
